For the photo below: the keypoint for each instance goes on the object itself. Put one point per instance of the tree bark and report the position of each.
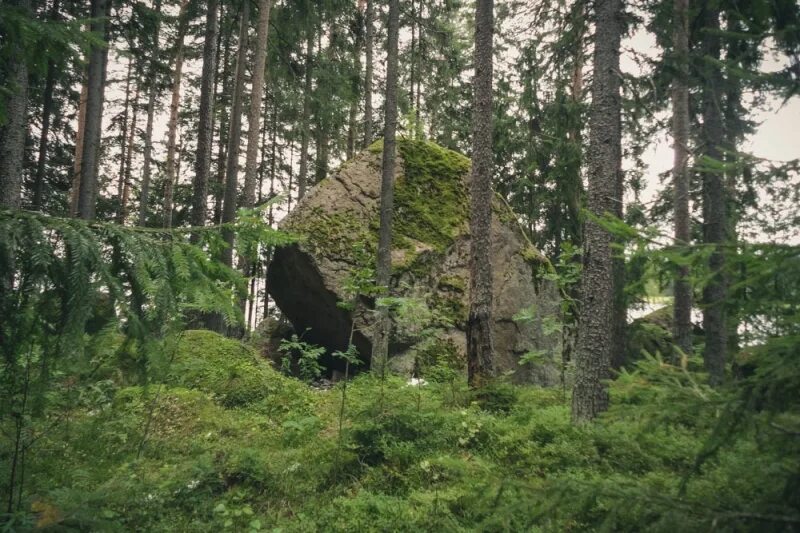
(123, 137)
(480, 348)
(682, 307)
(90, 160)
(714, 198)
(152, 88)
(75, 186)
(595, 338)
(172, 128)
(368, 69)
(256, 98)
(224, 123)
(126, 179)
(234, 138)
(47, 111)
(383, 271)
(205, 125)
(302, 177)
(14, 131)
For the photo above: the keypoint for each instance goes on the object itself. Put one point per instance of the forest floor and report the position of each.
(224, 442)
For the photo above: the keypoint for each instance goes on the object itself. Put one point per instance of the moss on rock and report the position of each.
(227, 369)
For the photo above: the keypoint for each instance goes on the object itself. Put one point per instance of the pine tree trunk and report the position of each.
(172, 128)
(383, 271)
(47, 111)
(224, 124)
(352, 120)
(714, 199)
(14, 131)
(682, 307)
(90, 160)
(595, 338)
(302, 177)
(205, 124)
(126, 185)
(369, 32)
(234, 138)
(80, 133)
(152, 89)
(480, 364)
(123, 137)
(256, 97)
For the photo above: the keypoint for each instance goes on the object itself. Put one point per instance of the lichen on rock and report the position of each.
(338, 220)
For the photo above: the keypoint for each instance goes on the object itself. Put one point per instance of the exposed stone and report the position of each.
(338, 221)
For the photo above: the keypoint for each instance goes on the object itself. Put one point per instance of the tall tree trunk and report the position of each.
(480, 349)
(172, 128)
(383, 270)
(80, 134)
(123, 137)
(234, 137)
(126, 183)
(305, 133)
(47, 111)
(352, 120)
(152, 88)
(87, 196)
(14, 131)
(224, 124)
(714, 198)
(253, 132)
(254, 117)
(682, 307)
(593, 354)
(205, 127)
(369, 32)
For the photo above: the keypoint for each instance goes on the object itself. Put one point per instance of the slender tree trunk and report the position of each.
(593, 354)
(172, 128)
(253, 132)
(369, 32)
(480, 349)
(352, 121)
(419, 133)
(413, 59)
(714, 199)
(80, 134)
(47, 111)
(234, 137)
(87, 196)
(123, 137)
(152, 88)
(205, 125)
(14, 131)
(682, 307)
(383, 270)
(302, 177)
(126, 180)
(254, 117)
(219, 189)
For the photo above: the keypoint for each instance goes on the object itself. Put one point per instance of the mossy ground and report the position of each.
(182, 457)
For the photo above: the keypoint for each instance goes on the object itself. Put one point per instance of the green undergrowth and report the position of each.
(225, 443)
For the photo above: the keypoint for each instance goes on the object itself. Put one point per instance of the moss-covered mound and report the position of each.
(231, 372)
(339, 220)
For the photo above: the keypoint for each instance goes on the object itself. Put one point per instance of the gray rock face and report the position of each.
(338, 222)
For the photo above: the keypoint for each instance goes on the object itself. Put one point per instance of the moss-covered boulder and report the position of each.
(231, 372)
(338, 220)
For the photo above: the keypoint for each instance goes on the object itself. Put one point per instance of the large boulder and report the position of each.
(338, 221)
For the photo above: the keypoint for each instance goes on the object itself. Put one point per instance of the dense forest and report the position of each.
(359, 265)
